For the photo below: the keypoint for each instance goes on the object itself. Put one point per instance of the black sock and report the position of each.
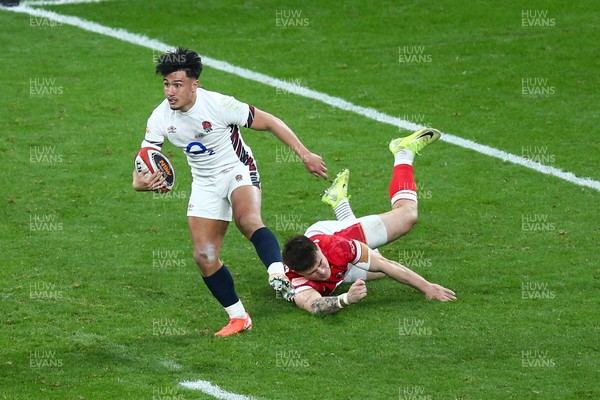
(266, 245)
(221, 286)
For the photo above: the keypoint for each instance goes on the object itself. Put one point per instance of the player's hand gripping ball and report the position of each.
(148, 158)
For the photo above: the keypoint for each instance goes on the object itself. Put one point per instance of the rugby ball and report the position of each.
(148, 158)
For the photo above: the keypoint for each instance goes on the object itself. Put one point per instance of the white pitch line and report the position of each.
(214, 390)
(57, 2)
(337, 102)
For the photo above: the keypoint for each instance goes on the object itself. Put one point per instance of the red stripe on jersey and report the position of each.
(250, 116)
(243, 155)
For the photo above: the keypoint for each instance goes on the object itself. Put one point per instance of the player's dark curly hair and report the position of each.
(181, 59)
(299, 253)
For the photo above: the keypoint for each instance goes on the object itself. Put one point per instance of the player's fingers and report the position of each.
(158, 177)
(449, 297)
(450, 294)
(154, 183)
(320, 174)
(323, 171)
(157, 181)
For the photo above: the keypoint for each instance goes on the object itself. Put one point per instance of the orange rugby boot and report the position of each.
(236, 325)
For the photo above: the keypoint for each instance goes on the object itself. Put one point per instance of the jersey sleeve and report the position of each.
(363, 257)
(237, 113)
(155, 135)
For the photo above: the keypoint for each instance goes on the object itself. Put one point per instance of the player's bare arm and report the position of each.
(141, 182)
(312, 301)
(404, 275)
(263, 121)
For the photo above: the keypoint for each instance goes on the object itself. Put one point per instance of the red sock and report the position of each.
(402, 185)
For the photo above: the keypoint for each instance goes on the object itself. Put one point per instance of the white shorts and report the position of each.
(211, 197)
(373, 228)
(355, 273)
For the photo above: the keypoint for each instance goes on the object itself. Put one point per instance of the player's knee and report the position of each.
(407, 216)
(206, 259)
(411, 217)
(248, 224)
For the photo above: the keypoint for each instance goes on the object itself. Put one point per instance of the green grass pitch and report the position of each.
(100, 298)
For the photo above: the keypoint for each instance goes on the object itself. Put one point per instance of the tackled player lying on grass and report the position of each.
(332, 252)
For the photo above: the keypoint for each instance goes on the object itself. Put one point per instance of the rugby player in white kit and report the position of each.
(226, 183)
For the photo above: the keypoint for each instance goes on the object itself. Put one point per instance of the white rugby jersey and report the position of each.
(208, 133)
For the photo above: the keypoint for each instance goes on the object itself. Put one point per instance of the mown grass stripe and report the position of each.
(337, 102)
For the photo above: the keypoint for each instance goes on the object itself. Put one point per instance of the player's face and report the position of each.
(320, 271)
(180, 90)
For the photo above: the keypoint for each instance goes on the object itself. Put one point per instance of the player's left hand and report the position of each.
(437, 292)
(357, 292)
(315, 165)
(142, 181)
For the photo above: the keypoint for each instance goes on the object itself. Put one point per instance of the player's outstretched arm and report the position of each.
(263, 121)
(141, 182)
(406, 276)
(312, 301)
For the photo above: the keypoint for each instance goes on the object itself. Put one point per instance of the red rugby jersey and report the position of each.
(339, 252)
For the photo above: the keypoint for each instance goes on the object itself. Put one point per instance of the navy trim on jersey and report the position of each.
(250, 116)
(243, 155)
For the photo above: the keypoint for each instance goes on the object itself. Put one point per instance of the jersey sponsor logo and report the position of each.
(207, 126)
(197, 148)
